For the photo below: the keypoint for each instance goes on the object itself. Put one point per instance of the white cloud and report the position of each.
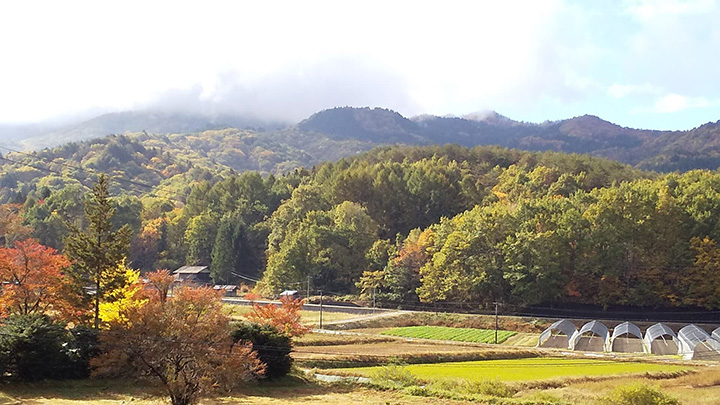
(624, 90)
(674, 103)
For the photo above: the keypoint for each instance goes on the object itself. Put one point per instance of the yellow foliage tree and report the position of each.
(130, 296)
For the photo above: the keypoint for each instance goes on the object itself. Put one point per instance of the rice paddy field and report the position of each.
(448, 333)
(528, 369)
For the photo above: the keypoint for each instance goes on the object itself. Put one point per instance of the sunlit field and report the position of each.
(308, 317)
(526, 369)
(447, 333)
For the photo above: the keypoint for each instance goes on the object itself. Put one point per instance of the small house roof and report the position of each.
(226, 287)
(192, 270)
(288, 292)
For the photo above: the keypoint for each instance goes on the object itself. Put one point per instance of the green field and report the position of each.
(447, 333)
(539, 368)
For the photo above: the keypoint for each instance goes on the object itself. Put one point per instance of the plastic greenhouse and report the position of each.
(592, 337)
(696, 344)
(558, 335)
(660, 339)
(626, 338)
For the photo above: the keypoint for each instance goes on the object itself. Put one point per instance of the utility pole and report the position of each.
(374, 299)
(321, 300)
(307, 296)
(496, 320)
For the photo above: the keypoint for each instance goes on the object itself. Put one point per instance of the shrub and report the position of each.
(33, 347)
(638, 394)
(393, 375)
(83, 347)
(272, 346)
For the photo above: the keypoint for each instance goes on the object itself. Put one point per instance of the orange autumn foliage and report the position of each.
(32, 280)
(160, 282)
(285, 317)
(184, 344)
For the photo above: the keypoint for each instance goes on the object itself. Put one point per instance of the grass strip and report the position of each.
(448, 333)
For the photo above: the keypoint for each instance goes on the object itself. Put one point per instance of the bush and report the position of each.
(272, 346)
(393, 375)
(33, 347)
(638, 394)
(82, 348)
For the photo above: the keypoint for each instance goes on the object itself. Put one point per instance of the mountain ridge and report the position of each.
(366, 127)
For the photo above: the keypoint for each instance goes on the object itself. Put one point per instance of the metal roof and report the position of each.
(192, 270)
(227, 287)
(563, 325)
(626, 328)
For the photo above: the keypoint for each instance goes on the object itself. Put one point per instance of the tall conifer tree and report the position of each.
(97, 251)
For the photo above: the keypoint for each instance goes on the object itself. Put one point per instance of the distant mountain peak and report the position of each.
(373, 124)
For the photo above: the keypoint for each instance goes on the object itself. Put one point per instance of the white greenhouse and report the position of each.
(660, 339)
(626, 338)
(592, 337)
(558, 335)
(696, 344)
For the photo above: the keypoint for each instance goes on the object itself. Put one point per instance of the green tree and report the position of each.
(200, 236)
(97, 251)
(223, 254)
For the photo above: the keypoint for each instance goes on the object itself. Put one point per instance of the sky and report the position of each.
(642, 64)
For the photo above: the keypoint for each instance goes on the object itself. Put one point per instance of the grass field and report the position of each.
(525, 369)
(447, 333)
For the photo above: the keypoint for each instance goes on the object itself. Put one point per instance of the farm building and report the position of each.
(289, 294)
(592, 337)
(696, 344)
(558, 335)
(660, 339)
(228, 290)
(626, 338)
(199, 275)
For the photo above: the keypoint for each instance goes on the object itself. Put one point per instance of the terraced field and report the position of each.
(447, 333)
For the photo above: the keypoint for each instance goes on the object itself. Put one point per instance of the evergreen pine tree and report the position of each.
(97, 251)
(223, 254)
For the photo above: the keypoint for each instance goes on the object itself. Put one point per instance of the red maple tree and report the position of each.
(285, 317)
(32, 280)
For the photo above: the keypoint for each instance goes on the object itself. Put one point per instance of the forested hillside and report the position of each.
(433, 224)
(163, 165)
(412, 224)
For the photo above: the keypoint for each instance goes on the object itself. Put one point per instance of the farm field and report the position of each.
(308, 317)
(448, 333)
(380, 350)
(525, 369)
